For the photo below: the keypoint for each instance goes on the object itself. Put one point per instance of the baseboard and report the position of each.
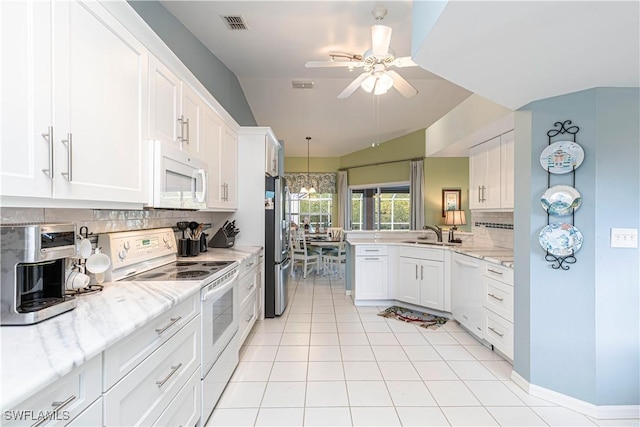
(347, 292)
(601, 412)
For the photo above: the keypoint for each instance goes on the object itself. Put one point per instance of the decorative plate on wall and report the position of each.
(560, 239)
(561, 157)
(561, 200)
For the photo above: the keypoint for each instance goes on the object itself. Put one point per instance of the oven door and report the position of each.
(220, 306)
(179, 179)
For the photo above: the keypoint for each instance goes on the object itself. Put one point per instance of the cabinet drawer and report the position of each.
(248, 284)
(248, 263)
(247, 319)
(499, 272)
(498, 297)
(122, 357)
(422, 253)
(145, 392)
(366, 250)
(92, 416)
(498, 332)
(69, 395)
(184, 410)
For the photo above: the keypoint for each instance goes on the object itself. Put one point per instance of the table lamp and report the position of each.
(455, 218)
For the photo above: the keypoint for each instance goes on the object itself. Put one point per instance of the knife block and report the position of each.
(221, 240)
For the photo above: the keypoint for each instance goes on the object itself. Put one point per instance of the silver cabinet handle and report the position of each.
(479, 196)
(248, 319)
(188, 133)
(174, 369)
(180, 121)
(172, 322)
(422, 272)
(372, 259)
(69, 144)
(49, 138)
(494, 271)
(250, 287)
(496, 332)
(416, 271)
(56, 407)
(495, 297)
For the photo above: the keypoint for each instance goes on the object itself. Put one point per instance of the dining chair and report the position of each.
(300, 253)
(334, 259)
(334, 233)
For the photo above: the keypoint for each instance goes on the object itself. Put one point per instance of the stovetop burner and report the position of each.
(181, 270)
(190, 274)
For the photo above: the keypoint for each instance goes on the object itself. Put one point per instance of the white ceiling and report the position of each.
(511, 52)
(282, 36)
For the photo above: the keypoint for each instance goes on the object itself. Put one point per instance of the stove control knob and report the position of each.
(167, 241)
(122, 254)
(127, 245)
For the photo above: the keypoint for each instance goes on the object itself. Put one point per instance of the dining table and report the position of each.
(320, 241)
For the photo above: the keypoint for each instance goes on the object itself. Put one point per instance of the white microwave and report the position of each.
(179, 178)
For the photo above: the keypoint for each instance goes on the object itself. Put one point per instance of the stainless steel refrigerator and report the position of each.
(277, 264)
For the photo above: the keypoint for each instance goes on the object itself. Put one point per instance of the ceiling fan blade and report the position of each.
(404, 61)
(353, 85)
(380, 39)
(403, 86)
(331, 64)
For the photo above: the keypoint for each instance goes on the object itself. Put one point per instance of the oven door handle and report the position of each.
(221, 288)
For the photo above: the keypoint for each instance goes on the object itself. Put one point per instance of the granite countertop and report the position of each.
(494, 254)
(37, 355)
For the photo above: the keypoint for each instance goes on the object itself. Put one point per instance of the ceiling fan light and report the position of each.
(385, 81)
(369, 83)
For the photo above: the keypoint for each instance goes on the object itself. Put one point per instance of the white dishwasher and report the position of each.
(466, 292)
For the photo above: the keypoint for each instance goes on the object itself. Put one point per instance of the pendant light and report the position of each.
(309, 190)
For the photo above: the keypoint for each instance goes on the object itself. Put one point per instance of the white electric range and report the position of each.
(150, 255)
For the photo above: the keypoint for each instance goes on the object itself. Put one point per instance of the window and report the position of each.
(316, 207)
(381, 208)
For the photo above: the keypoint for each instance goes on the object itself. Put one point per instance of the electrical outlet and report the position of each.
(624, 237)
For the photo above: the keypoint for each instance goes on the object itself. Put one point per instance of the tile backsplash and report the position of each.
(492, 228)
(106, 221)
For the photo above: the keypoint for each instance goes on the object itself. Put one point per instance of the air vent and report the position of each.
(302, 85)
(235, 22)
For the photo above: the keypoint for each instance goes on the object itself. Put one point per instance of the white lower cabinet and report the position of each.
(184, 410)
(497, 307)
(466, 292)
(421, 277)
(249, 288)
(92, 416)
(371, 273)
(62, 401)
(143, 394)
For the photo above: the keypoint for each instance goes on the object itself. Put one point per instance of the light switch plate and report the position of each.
(624, 237)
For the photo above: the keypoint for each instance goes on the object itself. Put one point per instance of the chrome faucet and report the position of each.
(436, 230)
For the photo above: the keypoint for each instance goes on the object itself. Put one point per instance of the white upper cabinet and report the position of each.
(484, 175)
(220, 149)
(491, 173)
(176, 112)
(272, 148)
(165, 98)
(507, 169)
(190, 119)
(26, 87)
(79, 124)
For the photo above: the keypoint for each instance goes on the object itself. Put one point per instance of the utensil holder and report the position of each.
(194, 247)
(221, 240)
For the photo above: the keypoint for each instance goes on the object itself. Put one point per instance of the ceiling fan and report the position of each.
(377, 77)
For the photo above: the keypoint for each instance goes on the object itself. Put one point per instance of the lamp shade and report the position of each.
(455, 218)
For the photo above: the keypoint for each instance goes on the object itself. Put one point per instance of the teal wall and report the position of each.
(207, 68)
(577, 332)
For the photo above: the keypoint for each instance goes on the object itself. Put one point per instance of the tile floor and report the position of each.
(325, 362)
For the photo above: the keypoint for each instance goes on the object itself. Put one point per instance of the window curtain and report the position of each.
(343, 201)
(416, 183)
(323, 182)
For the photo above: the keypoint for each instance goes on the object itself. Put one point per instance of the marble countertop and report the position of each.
(494, 254)
(37, 355)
